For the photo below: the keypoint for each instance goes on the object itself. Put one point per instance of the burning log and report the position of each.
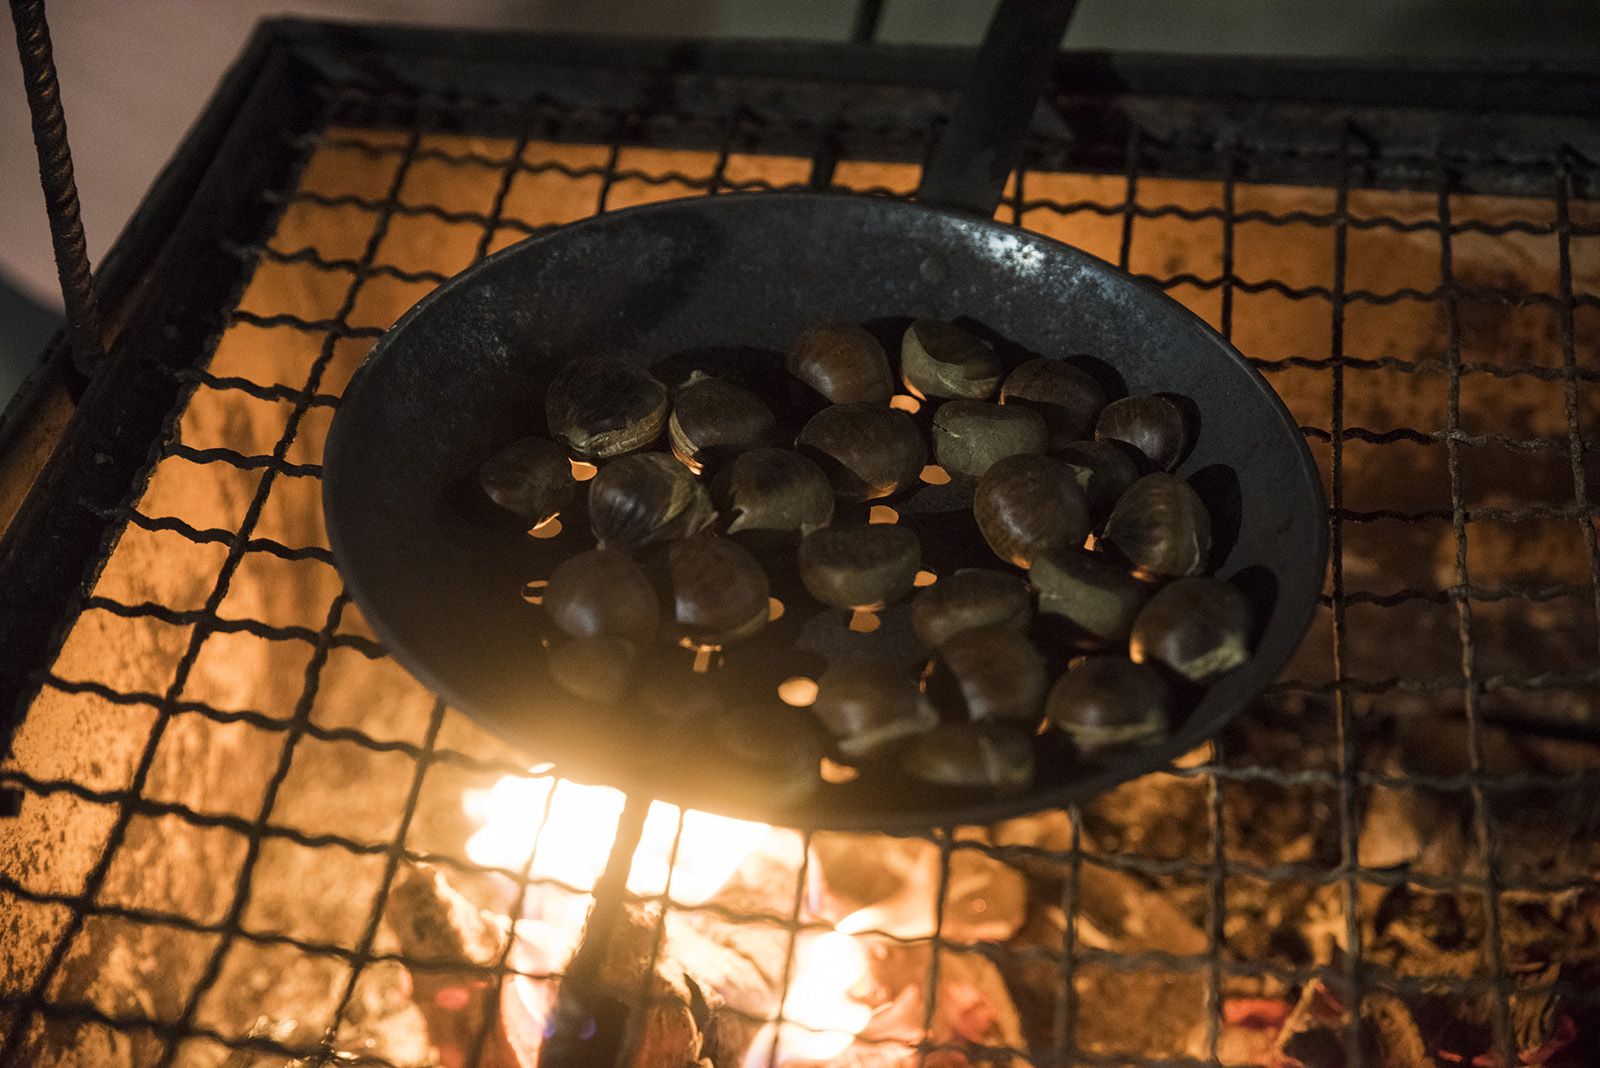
(383, 1019)
(972, 1009)
(1316, 1033)
(898, 880)
(436, 924)
(668, 997)
(642, 996)
(689, 989)
(1120, 916)
(1424, 934)
(1313, 1034)
(1249, 1030)
(856, 994)
(868, 884)
(683, 1018)
(279, 1031)
(1396, 1032)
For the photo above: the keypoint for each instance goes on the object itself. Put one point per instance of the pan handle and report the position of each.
(983, 142)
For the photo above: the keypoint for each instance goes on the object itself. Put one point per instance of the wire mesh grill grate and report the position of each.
(224, 778)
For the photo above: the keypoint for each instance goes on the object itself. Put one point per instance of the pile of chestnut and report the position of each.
(1072, 490)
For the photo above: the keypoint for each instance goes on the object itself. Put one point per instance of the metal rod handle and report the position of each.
(865, 27)
(60, 187)
(586, 1029)
(983, 143)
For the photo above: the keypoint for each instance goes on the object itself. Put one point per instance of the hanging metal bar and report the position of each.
(60, 186)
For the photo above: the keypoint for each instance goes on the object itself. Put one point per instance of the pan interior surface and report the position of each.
(735, 278)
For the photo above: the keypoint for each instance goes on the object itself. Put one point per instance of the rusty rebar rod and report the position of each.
(60, 186)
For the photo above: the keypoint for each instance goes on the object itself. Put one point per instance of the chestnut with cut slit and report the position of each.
(970, 437)
(940, 359)
(991, 673)
(530, 478)
(1068, 397)
(870, 708)
(603, 407)
(712, 419)
(773, 489)
(858, 567)
(1088, 590)
(843, 363)
(719, 592)
(1161, 526)
(1198, 627)
(972, 756)
(1027, 505)
(601, 593)
(1104, 474)
(645, 498)
(969, 598)
(867, 451)
(1107, 702)
(1151, 425)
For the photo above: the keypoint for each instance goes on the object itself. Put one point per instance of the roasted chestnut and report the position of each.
(970, 598)
(1152, 425)
(869, 707)
(602, 406)
(719, 592)
(601, 593)
(1068, 397)
(1104, 702)
(645, 498)
(942, 360)
(596, 669)
(867, 451)
(776, 751)
(1026, 505)
(973, 756)
(991, 673)
(1198, 627)
(1089, 591)
(969, 437)
(712, 418)
(773, 489)
(1104, 472)
(1161, 526)
(531, 478)
(843, 363)
(857, 567)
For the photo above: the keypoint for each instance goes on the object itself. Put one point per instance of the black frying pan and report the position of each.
(727, 283)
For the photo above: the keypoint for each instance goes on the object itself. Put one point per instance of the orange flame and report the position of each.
(568, 829)
(575, 840)
(821, 1018)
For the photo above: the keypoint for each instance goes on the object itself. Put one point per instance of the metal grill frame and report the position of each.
(186, 257)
